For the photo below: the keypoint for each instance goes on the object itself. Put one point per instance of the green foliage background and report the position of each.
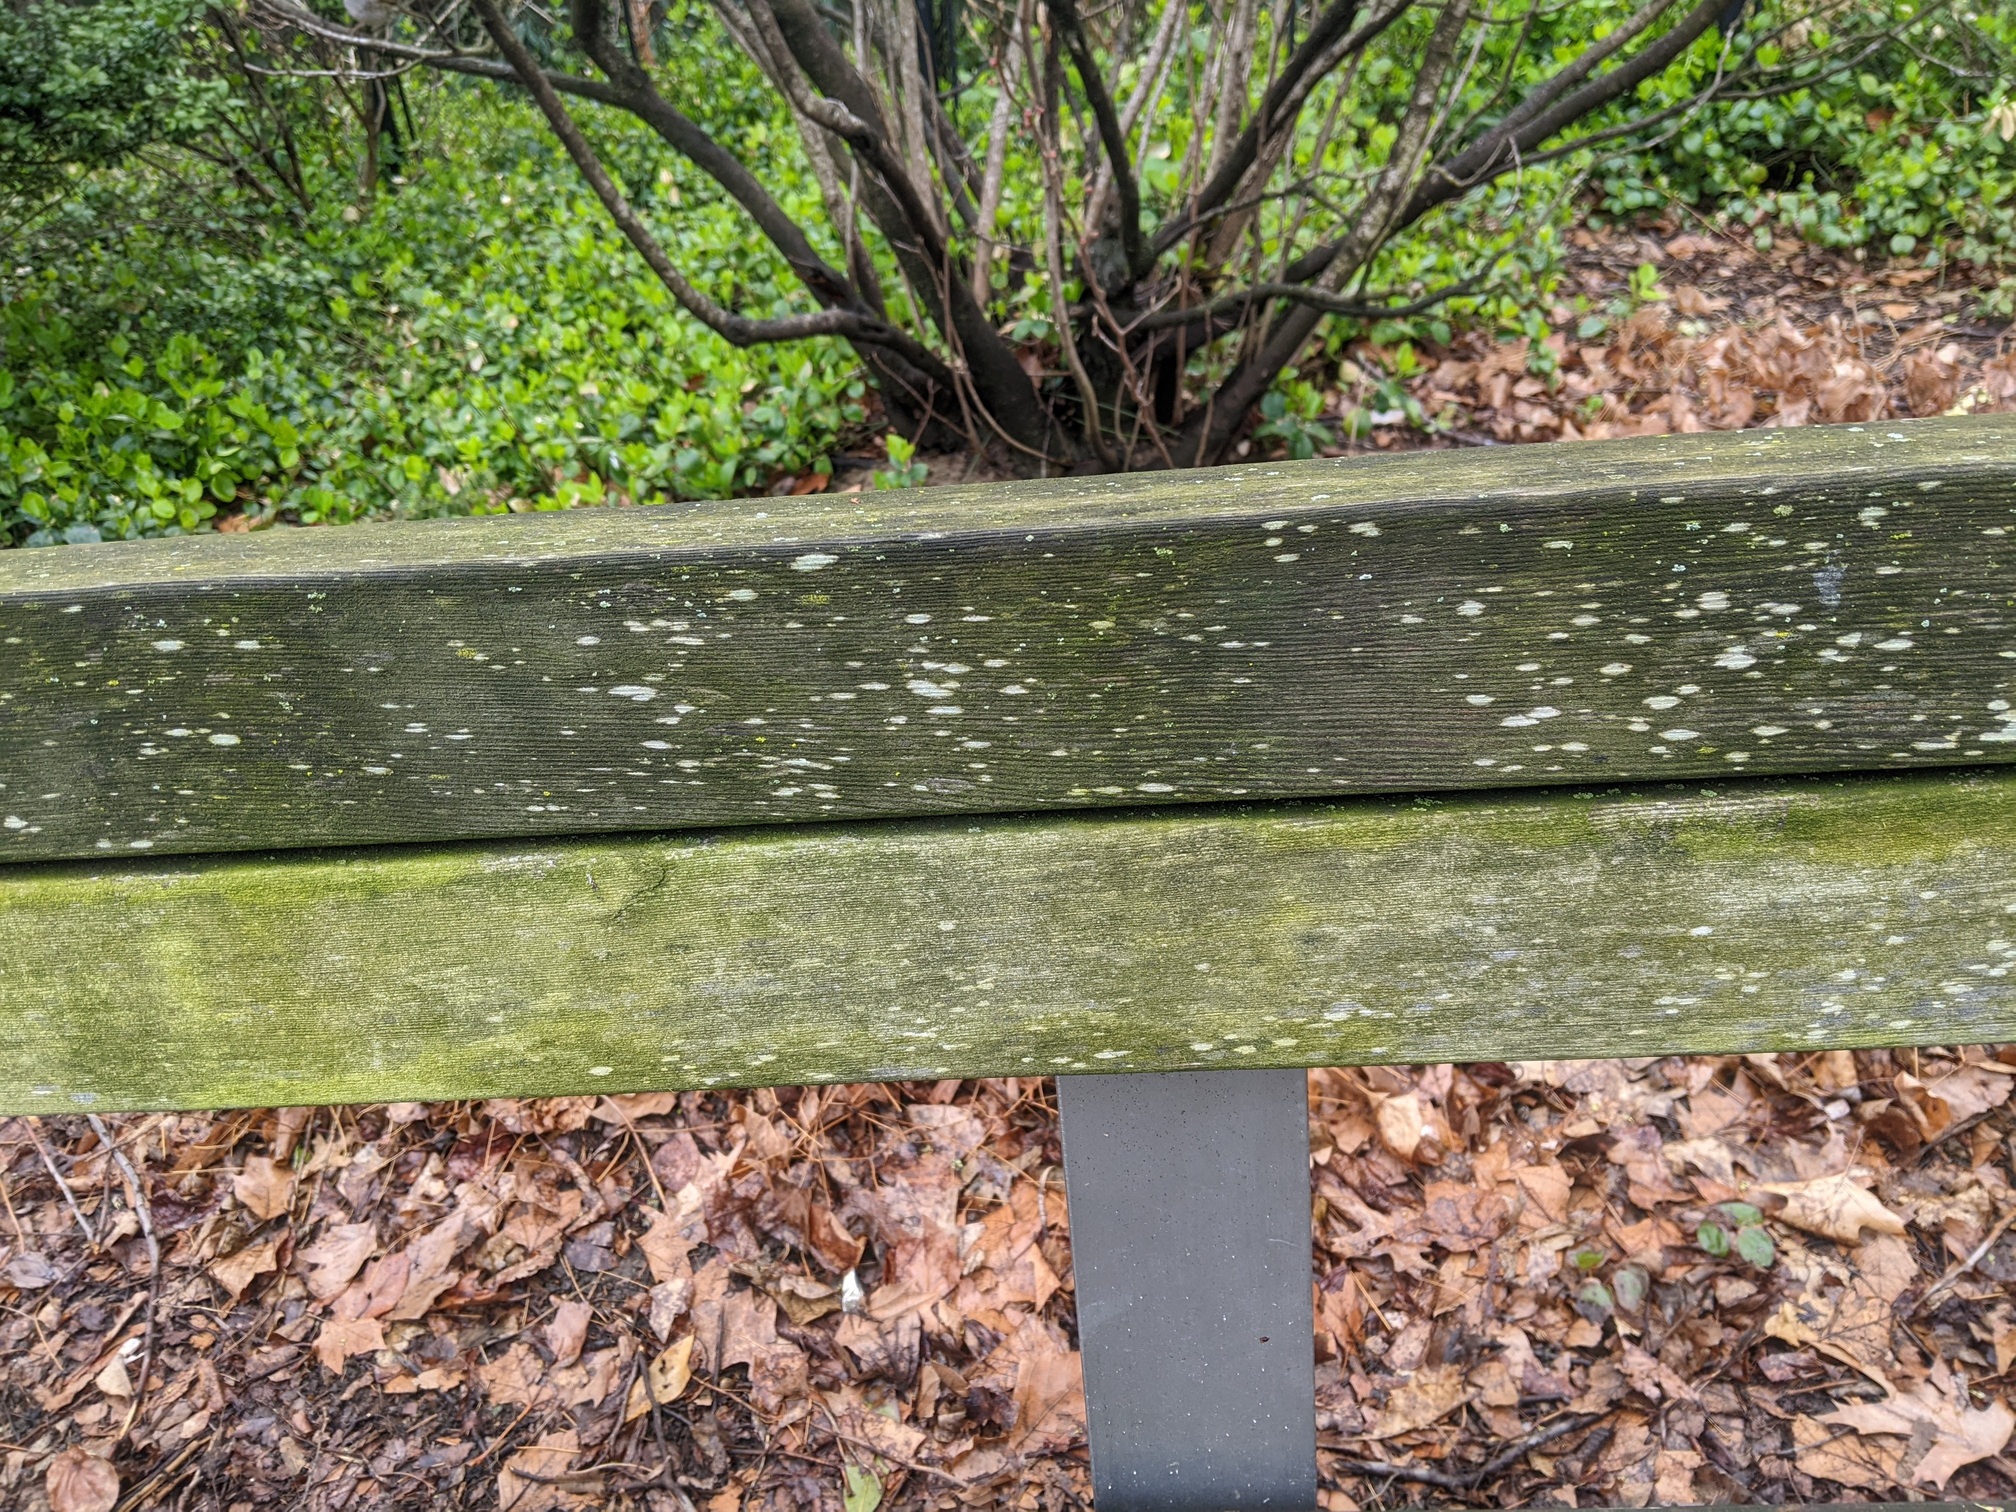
(176, 343)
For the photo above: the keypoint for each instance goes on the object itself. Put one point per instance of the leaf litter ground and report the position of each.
(1738, 1279)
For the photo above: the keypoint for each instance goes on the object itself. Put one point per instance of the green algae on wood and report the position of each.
(1756, 916)
(1771, 601)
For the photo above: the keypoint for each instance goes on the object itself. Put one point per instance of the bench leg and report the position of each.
(1190, 1245)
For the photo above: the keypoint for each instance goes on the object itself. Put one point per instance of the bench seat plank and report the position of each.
(1551, 924)
(1771, 601)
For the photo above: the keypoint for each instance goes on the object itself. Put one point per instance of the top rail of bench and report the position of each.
(1763, 602)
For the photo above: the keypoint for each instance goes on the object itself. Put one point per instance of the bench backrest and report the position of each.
(625, 736)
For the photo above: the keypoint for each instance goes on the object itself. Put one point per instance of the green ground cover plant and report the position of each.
(268, 287)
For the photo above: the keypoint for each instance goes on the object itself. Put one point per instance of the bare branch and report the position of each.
(1237, 301)
(1331, 40)
(1379, 214)
(738, 329)
(1522, 131)
(1112, 134)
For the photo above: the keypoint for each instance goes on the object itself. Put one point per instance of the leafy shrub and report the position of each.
(480, 340)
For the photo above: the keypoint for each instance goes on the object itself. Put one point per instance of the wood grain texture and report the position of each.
(1832, 912)
(1771, 601)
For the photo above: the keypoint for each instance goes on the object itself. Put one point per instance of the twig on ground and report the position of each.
(1955, 1272)
(49, 1164)
(158, 1481)
(144, 1212)
(1469, 1480)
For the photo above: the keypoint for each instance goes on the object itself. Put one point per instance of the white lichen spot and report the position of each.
(1364, 528)
(1895, 643)
(1470, 608)
(812, 561)
(1712, 600)
(742, 595)
(916, 619)
(634, 692)
(168, 645)
(1153, 787)
(1661, 701)
(587, 640)
(223, 739)
(1479, 699)
(1767, 730)
(1614, 669)
(1679, 734)
(1288, 556)
(13, 822)
(1736, 659)
(601, 1070)
(1872, 514)
(1702, 929)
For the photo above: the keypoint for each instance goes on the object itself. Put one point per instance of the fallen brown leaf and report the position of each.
(237, 1270)
(341, 1338)
(264, 1186)
(1830, 1454)
(1960, 1434)
(336, 1257)
(548, 1459)
(1432, 1392)
(78, 1481)
(567, 1331)
(1833, 1206)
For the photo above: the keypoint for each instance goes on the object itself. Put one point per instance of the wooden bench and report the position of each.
(1605, 750)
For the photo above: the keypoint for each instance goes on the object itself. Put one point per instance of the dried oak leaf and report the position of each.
(1833, 1206)
(1402, 1124)
(567, 1331)
(336, 1257)
(1431, 1393)
(1461, 1216)
(1830, 1454)
(341, 1338)
(516, 1378)
(1959, 1434)
(28, 1271)
(265, 1187)
(548, 1459)
(236, 1270)
(78, 1481)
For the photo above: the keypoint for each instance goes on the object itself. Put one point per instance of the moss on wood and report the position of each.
(1753, 916)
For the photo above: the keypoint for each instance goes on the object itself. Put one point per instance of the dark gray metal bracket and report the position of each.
(1190, 1247)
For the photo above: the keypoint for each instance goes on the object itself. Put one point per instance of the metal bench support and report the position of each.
(1190, 1243)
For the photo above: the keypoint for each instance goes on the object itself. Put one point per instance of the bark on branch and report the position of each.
(740, 330)
(1112, 136)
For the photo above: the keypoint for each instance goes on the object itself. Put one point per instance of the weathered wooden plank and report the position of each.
(1866, 911)
(1769, 601)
